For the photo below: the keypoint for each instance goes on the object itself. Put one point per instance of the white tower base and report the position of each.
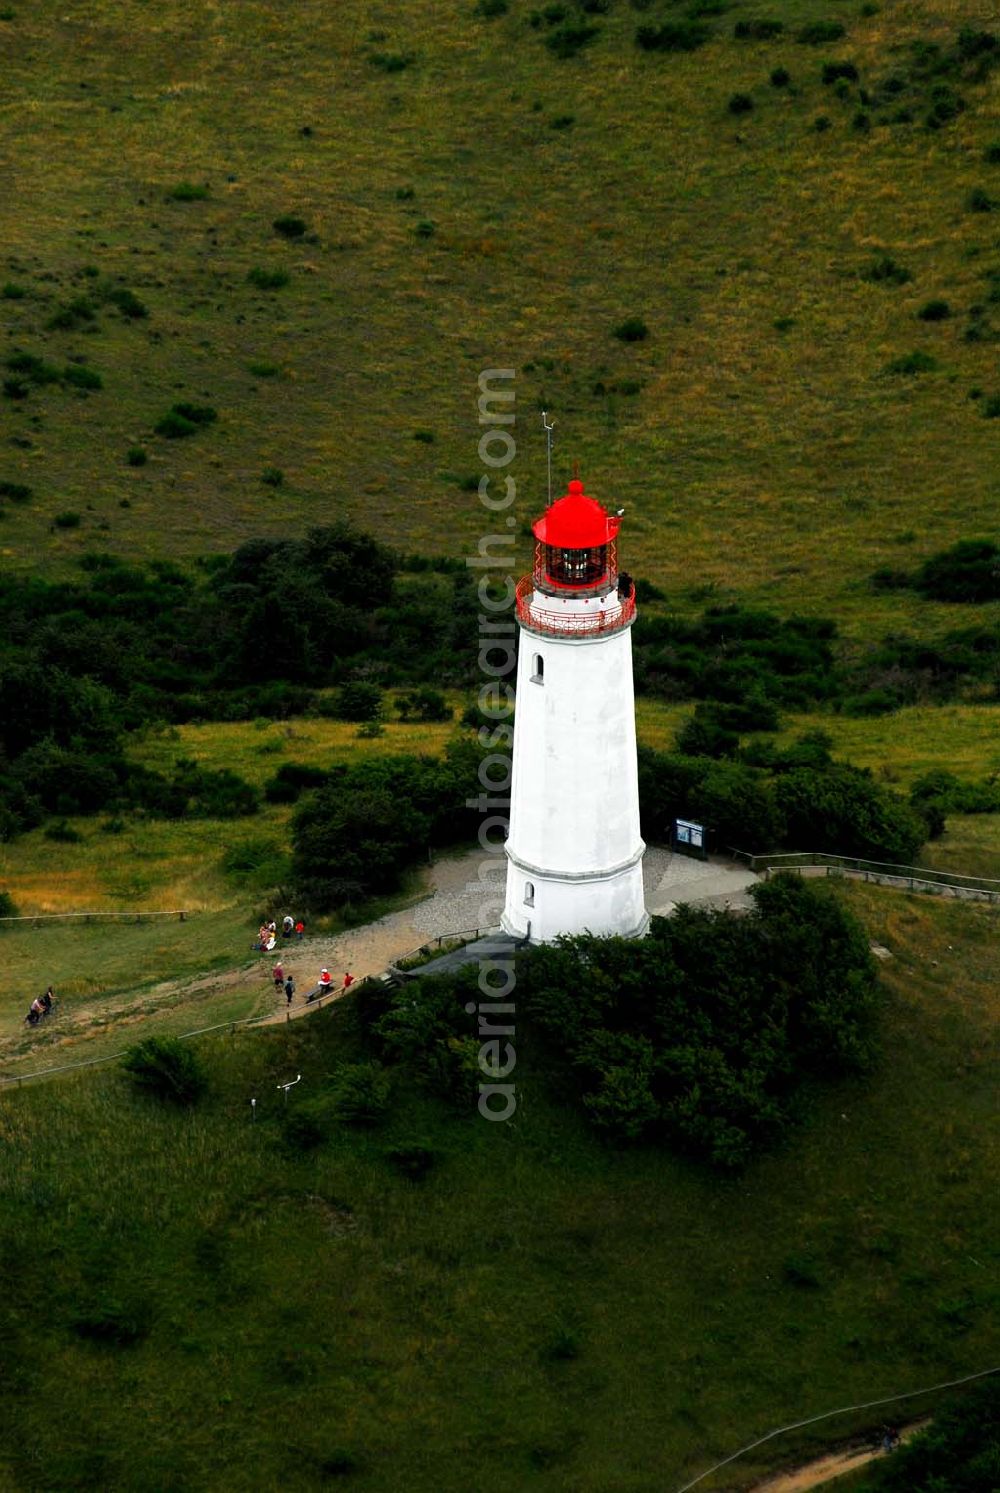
(574, 852)
(582, 903)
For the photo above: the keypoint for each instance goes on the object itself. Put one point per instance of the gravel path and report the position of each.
(459, 900)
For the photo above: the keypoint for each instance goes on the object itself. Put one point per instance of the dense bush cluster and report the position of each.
(698, 1035)
(732, 653)
(767, 799)
(968, 572)
(167, 1069)
(360, 832)
(254, 634)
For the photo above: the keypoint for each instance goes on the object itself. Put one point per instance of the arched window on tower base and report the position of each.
(538, 669)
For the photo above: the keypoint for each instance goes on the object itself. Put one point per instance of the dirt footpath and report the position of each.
(825, 1470)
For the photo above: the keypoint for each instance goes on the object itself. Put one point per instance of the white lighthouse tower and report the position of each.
(574, 852)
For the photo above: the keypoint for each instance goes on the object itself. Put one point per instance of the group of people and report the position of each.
(325, 984)
(285, 983)
(267, 936)
(40, 1006)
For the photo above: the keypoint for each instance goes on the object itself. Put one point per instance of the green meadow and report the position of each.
(193, 1301)
(471, 200)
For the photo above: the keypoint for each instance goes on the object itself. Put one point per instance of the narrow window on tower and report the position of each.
(529, 894)
(538, 669)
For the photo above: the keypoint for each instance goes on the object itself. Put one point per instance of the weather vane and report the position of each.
(548, 426)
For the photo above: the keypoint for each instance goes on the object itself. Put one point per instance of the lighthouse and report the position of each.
(574, 851)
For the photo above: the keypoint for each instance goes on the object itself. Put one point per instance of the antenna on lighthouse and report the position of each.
(548, 426)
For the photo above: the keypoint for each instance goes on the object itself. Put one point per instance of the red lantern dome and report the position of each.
(575, 521)
(576, 548)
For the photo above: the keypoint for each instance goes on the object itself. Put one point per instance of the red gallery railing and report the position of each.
(563, 624)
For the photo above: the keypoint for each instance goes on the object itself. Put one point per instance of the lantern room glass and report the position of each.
(585, 567)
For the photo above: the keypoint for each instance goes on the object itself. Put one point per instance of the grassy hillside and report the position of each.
(473, 199)
(220, 1309)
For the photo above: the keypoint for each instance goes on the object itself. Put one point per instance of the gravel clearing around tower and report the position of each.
(457, 902)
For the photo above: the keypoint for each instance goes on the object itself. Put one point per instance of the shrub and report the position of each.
(781, 77)
(820, 32)
(800, 1270)
(166, 1069)
(934, 311)
(991, 407)
(128, 303)
(946, 105)
(174, 427)
(33, 368)
(633, 329)
(489, 9)
(562, 122)
(360, 1093)
(839, 808)
(186, 191)
(17, 492)
(185, 419)
(263, 370)
(268, 279)
(979, 201)
(12, 292)
(392, 62)
(15, 388)
(80, 377)
(424, 704)
(75, 314)
(136, 456)
(568, 40)
(113, 1323)
(968, 572)
(861, 123)
(832, 71)
(886, 271)
(763, 30)
(703, 735)
(991, 155)
(289, 226)
(357, 700)
(821, 124)
(424, 229)
(912, 363)
(673, 36)
(69, 519)
(272, 477)
(740, 103)
(292, 780)
(7, 906)
(412, 1161)
(425, 437)
(307, 1123)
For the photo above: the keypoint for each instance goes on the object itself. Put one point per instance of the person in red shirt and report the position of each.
(325, 981)
(348, 981)
(278, 976)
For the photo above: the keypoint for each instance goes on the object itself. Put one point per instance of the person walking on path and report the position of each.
(348, 982)
(278, 976)
(289, 990)
(300, 930)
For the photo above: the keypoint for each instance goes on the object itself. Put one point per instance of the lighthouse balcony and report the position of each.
(573, 616)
